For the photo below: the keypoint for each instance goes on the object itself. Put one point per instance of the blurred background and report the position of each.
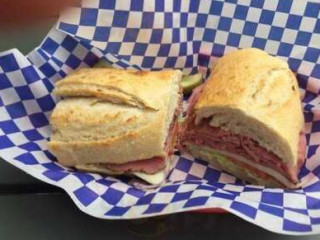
(17, 12)
(23, 22)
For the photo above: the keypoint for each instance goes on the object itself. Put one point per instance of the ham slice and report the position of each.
(194, 98)
(217, 138)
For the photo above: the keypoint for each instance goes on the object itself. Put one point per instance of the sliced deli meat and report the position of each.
(148, 166)
(224, 141)
(246, 119)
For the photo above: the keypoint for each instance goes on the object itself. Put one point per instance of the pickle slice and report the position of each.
(103, 64)
(189, 82)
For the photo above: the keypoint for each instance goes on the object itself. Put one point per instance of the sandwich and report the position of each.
(116, 122)
(246, 119)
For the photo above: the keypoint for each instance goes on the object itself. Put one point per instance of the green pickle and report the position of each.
(103, 64)
(190, 82)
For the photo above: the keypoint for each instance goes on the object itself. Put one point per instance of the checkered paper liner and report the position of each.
(187, 35)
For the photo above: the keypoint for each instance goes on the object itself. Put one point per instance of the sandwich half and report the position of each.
(247, 120)
(116, 121)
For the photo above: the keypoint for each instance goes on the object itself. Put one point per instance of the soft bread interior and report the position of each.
(255, 95)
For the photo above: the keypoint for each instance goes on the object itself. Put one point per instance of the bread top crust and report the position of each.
(146, 90)
(254, 85)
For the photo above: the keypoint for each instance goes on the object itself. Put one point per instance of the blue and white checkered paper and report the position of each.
(157, 34)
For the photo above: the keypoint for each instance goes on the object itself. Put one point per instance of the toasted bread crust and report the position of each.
(135, 88)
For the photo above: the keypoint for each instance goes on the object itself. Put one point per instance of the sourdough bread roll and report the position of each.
(113, 116)
(253, 94)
